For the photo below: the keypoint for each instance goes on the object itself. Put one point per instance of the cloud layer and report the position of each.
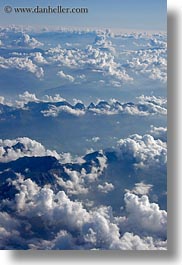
(74, 227)
(13, 149)
(55, 214)
(117, 58)
(147, 105)
(113, 198)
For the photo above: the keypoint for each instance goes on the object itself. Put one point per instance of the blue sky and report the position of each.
(120, 14)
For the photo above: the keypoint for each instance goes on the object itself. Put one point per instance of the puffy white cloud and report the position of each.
(80, 182)
(143, 54)
(145, 217)
(38, 58)
(74, 216)
(159, 133)
(23, 63)
(98, 57)
(9, 231)
(101, 232)
(56, 98)
(66, 158)
(154, 42)
(103, 61)
(63, 57)
(144, 151)
(154, 104)
(56, 209)
(26, 41)
(95, 139)
(81, 77)
(54, 111)
(1, 100)
(119, 74)
(70, 226)
(141, 188)
(97, 170)
(103, 111)
(65, 76)
(75, 101)
(63, 240)
(153, 100)
(76, 184)
(129, 241)
(105, 187)
(28, 97)
(20, 147)
(101, 41)
(67, 223)
(151, 62)
(147, 105)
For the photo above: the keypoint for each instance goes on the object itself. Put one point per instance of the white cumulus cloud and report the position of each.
(22, 146)
(65, 76)
(27, 41)
(23, 63)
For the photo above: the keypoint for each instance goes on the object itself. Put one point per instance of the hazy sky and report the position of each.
(122, 14)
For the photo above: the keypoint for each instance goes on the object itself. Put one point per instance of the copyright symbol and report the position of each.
(8, 9)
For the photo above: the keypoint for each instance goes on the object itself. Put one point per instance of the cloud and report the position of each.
(23, 63)
(1, 100)
(22, 146)
(154, 104)
(102, 42)
(74, 207)
(159, 133)
(97, 168)
(75, 101)
(64, 76)
(38, 58)
(104, 62)
(106, 187)
(98, 57)
(147, 105)
(26, 41)
(95, 139)
(155, 43)
(33, 200)
(9, 231)
(129, 241)
(76, 184)
(140, 54)
(54, 111)
(56, 98)
(143, 151)
(81, 77)
(28, 97)
(158, 101)
(80, 181)
(145, 217)
(150, 62)
(61, 218)
(67, 158)
(74, 227)
(141, 188)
